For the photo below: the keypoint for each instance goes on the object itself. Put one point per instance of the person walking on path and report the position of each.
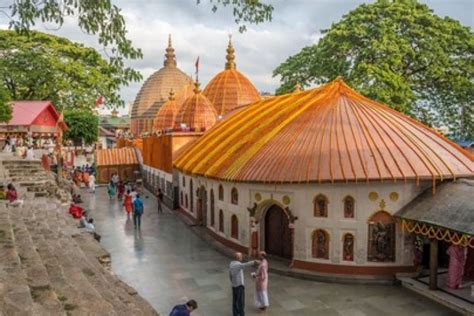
(127, 202)
(236, 274)
(159, 199)
(184, 309)
(92, 183)
(261, 282)
(115, 179)
(120, 190)
(111, 189)
(137, 211)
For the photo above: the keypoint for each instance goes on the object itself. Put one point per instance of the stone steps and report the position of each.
(50, 267)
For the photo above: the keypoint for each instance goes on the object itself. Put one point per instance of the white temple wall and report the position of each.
(389, 197)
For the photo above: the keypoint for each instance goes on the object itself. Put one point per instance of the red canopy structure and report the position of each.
(38, 117)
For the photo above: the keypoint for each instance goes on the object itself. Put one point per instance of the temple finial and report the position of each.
(230, 64)
(170, 57)
(171, 96)
(297, 87)
(197, 88)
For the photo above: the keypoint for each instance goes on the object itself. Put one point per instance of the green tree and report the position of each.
(104, 19)
(5, 108)
(40, 66)
(83, 125)
(400, 53)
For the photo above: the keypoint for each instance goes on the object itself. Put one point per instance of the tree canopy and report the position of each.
(400, 53)
(104, 19)
(82, 124)
(5, 108)
(40, 66)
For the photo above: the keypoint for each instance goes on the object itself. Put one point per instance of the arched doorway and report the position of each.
(202, 206)
(277, 233)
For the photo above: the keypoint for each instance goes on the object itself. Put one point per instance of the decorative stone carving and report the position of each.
(382, 204)
(381, 243)
(394, 196)
(320, 244)
(349, 205)
(252, 210)
(373, 196)
(286, 199)
(348, 247)
(258, 197)
(291, 217)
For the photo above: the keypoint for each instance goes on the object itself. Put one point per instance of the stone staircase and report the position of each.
(50, 267)
(29, 176)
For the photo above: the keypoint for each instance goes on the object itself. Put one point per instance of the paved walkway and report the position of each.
(168, 264)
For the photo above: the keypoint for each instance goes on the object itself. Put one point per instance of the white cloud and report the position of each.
(199, 32)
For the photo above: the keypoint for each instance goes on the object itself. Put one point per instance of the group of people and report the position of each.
(236, 275)
(132, 202)
(85, 221)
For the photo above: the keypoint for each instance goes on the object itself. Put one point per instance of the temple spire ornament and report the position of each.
(171, 96)
(170, 56)
(298, 87)
(230, 64)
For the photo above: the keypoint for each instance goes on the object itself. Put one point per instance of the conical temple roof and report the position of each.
(156, 88)
(327, 134)
(230, 89)
(197, 112)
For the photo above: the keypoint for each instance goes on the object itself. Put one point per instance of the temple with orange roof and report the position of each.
(315, 178)
(187, 114)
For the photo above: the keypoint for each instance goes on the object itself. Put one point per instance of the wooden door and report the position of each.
(277, 233)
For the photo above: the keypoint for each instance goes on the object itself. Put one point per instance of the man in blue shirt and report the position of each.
(185, 309)
(137, 211)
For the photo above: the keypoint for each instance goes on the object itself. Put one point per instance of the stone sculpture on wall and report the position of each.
(320, 244)
(348, 247)
(381, 247)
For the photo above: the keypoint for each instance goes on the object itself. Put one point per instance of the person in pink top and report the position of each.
(261, 282)
(457, 259)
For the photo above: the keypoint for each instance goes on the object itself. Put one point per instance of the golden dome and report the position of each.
(327, 134)
(230, 89)
(156, 88)
(197, 112)
(167, 113)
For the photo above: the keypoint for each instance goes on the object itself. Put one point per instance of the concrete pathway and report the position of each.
(168, 264)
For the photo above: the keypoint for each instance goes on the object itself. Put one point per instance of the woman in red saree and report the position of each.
(127, 202)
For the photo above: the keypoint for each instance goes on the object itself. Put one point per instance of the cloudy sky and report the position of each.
(197, 31)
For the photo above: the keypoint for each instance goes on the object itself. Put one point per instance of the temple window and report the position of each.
(381, 241)
(348, 247)
(184, 181)
(234, 230)
(212, 208)
(234, 196)
(320, 205)
(349, 204)
(181, 196)
(186, 201)
(221, 193)
(320, 244)
(221, 221)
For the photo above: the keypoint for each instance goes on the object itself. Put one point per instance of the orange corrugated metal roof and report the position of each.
(197, 112)
(331, 133)
(116, 156)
